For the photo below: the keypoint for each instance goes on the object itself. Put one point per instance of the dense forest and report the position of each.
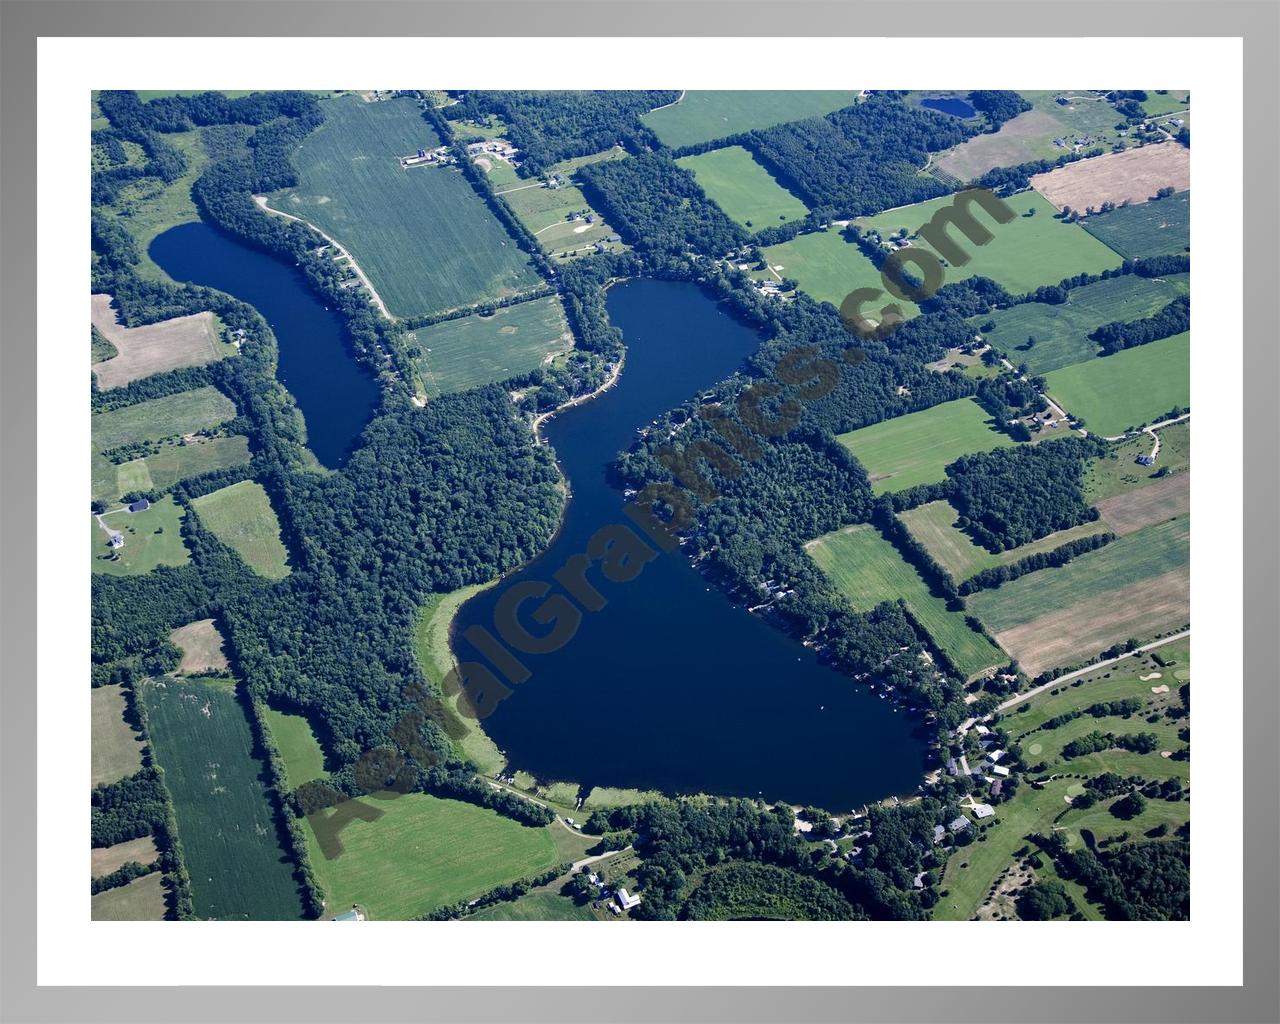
(551, 126)
(1000, 105)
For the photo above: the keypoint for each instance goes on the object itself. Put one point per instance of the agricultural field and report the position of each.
(141, 351)
(106, 859)
(972, 870)
(241, 517)
(475, 350)
(1134, 386)
(422, 235)
(431, 649)
(933, 525)
(423, 852)
(1029, 136)
(1137, 586)
(1132, 511)
(140, 900)
(116, 749)
(1145, 229)
(1167, 101)
(747, 192)
(239, 870)
(176, 461)
(1117, 472)
(299, 749)
(1031, 250)
(916, 448)
(549, 212)
(1134, 176)
(1061, 331)
(151, 538)
(868, 570)
(159, 418)
(700, 116)
(201, 645)
(539, 905)
(828, 268)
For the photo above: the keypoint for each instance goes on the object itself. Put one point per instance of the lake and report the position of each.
(671, 686)
(336, 395)
(949, 105)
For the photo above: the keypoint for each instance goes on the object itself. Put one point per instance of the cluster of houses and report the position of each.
(438, 156)
(619, 901)
(500, 148)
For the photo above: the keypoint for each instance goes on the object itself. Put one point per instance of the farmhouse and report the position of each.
(1146, 460)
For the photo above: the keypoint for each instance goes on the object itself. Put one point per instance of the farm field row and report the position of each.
(116, 749)
(971, 871)
(916, 448)
(704, 115)
(933, 525)
(158, 418)
(140, 900)
(471, 351)
(423, 236)
(1134, 386)
(1061, 331)
(421, 852)
(241, 517)
(1145, 229)
(747, 192)
(868, 570)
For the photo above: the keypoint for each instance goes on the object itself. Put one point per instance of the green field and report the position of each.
(933, 526)
(868, 570)
(1145, 229)
(535, 906)
(1023, 254)
(1134, 386)
(116, 750)
(424, 237)
(548, 212)
(175, 462)
(241, 517)
(140, 900)
(459, 354)
(159, 418)
(1146, 553)
(1157, 104)
(151, 538)
(299, 749)
(239, 870)
(701, 116)
(915, 449)
(742, 188)
(828, 268)
(1061, 331)
(431, 649)
(1117, 472)
(424, 852)
(972, 870)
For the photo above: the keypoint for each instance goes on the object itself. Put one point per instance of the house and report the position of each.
(626, 901)
(353, 914)
(996, 787)
(1000, 770)
(981, 730)
(613, 238)
(117, 539)
(918, 881)
(995, 756)
(1146, 460)
(938, 832)
(960, 824)
(141, 505)
(981, 811)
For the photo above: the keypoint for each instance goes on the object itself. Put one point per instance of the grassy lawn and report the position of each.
(828, 268)
(535, 906)
(1167, 102)
(423, 236)
(1029, 251)
(116, 750)
(933, 526)
(1145, 229)
(238, 868)
(151, 538)
(424, 852)
(140, 900)
(1137, 385)
(1038, 811)
(475, 350)
(299, 749)
(1142, 555)
(547, 212)
(867, 569)
(241, 517)
(915, 449)
(160, 418)
(431, 648)
(1117, 472)
(202, 647)
(609, 796)
(747, 192)
(1061, 332)
(701, 116)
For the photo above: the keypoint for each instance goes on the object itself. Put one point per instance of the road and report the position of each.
(1152, 430)
(1014, 701)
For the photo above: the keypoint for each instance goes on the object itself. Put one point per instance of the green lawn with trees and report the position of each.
(151, 538)
(241, 517)
(705, 114)
(747, 192)
(299, 749)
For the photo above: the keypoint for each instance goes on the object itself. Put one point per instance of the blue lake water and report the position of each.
(949, 105)
(336, 395)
